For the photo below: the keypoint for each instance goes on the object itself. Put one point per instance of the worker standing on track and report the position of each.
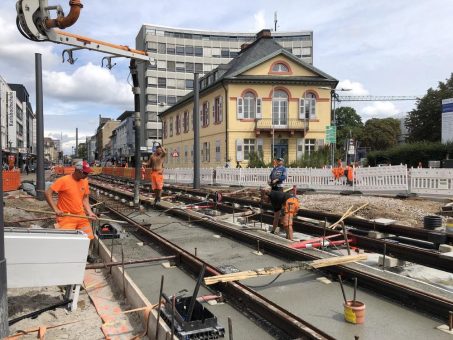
(285, 206)
(156, 163)
(73, 194)
(278, 175)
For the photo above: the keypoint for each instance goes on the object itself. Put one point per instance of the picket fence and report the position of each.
(396, 178)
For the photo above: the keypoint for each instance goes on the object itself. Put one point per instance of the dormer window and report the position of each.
(279, 67)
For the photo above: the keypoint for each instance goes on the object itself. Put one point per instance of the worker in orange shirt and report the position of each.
(73, 194)
(338, 171)
(349, 172)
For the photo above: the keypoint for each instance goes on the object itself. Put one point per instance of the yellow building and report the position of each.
(264, 99)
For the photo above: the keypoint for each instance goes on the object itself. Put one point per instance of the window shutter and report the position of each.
(214, 107)
(300, 148)
(207, 113)
(220, 109)
(240, 108)
(239, 150)
(301, 108)
(313, 108)
(191, 153)
(259, 147)
(208, 158)
(258, 108)
(217, 151)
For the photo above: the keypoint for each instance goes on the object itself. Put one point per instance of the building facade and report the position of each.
(18, 123)
(123, 138)
(103, 134)
(265, 101)
(179, 53)
(50, 150)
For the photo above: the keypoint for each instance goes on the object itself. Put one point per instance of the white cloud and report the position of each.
(260, 21)
(357, 89)
(379, 110)
(88, 83)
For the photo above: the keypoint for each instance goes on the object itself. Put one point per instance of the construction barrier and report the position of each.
(11, 180)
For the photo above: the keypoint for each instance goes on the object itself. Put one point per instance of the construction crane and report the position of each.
(375, 98)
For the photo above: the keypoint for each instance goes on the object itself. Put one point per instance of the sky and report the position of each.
(383, 47)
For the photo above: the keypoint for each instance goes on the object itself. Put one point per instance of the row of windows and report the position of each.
(163, 99)
(171, 83)
(181, 35)
(182, 122)
(180, 66)
(249, 107)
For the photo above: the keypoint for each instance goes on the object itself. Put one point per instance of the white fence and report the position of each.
(431, 181)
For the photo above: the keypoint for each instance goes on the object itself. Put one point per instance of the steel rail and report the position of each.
(285, 321)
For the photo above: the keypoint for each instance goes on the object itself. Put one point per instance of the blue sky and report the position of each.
(381, 48)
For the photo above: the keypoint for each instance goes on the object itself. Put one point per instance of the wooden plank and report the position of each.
(248, 274)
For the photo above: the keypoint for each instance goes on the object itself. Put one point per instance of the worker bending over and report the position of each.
(73, 194)
(285, 206)
(156, 163)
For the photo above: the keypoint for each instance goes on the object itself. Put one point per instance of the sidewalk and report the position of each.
(32, 176)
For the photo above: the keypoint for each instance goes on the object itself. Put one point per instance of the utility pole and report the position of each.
(76, 142)
(137, 123)
(39, 129)
(196, 132)
(3, 284)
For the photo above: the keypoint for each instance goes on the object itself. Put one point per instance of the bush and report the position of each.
(411, 154)
(317, 159)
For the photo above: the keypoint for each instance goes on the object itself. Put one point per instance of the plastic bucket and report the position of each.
(354, 312)
(431, 222)
(449, 226)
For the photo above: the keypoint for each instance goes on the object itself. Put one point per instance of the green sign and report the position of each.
(331, 134)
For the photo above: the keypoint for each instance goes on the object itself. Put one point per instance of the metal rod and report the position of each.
(355, 291)
(230, 329)
(111, 255)
(342, 289)
(113, 264)
(195, 252)
(3, 284)
(195, 293)
(345, 234)
(173, 307)
(258, 246)
(383, 257)
(158, 305)
(196, 132)
(324, 234)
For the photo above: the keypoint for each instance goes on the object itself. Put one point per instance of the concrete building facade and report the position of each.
(266, 100)
(103, 134)
(123, 138)
(181, 52)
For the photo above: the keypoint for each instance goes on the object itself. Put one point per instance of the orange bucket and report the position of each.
(354, 312)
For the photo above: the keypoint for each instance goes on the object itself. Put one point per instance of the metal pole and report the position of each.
(3, 286)
(76, 142)
(196, 132)
(39, 129)
(137, 155)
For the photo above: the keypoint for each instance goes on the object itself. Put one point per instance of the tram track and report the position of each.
(417, 297)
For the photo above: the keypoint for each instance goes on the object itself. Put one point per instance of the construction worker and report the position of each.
(285, 205)
(278, 175)
(73, 194)
(349, 173)
(156, 163)
(338, 171)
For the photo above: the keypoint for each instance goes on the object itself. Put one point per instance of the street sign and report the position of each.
(331, 134)
(351, 148)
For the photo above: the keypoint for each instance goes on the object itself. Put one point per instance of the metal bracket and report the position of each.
(109, 61)
(71, 58)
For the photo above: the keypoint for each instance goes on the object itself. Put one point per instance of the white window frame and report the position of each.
(309, 146)
(249, 105)
(249, 145)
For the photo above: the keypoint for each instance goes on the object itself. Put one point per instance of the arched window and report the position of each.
(310, 106)
(249, 105)
(280, 67)
(280, 108)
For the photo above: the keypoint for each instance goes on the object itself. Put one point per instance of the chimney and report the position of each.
(265, 33)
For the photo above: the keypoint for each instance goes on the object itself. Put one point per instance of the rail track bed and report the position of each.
(295, 304)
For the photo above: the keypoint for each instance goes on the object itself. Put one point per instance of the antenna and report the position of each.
(275, 21)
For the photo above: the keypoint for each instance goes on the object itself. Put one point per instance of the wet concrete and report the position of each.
(299, 292)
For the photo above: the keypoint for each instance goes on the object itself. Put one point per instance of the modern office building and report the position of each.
(181, 52)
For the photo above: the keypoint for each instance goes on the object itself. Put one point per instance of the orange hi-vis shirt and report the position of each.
(70, 194)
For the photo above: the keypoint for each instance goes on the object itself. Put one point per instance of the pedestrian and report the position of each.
(27, 169)
(156, 163)
(285, 206)
(73, 199)
(238, 165)
(227, 164)
(278, 175)
(420, 165)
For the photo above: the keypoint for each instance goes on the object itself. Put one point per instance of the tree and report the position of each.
(424, 123)
(83, 152)
(381, 134)
(349, 124)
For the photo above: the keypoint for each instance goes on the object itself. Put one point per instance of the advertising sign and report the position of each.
(447, 120)
(11, 117)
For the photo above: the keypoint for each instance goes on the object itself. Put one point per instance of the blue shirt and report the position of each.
(280, 173)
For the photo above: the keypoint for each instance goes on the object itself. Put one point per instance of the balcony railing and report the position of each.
(291, 125)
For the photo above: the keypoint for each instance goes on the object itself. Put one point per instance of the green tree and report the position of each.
(349, 124)
(83, 152)
(381, 134)
(424, 123)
